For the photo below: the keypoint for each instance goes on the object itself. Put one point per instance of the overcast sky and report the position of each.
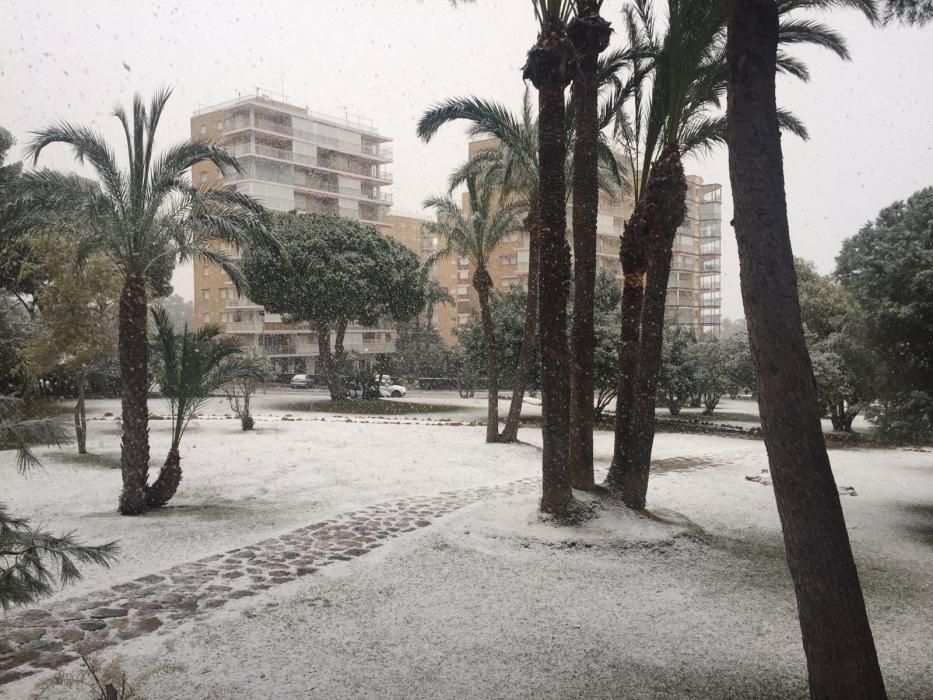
(870, 119)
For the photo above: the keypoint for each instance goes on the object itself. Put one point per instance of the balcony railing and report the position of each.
(246, 149)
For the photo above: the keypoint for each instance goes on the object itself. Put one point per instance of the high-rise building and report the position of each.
(292, 159)
(694, 285)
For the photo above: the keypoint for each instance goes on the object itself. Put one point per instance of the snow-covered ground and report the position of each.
(694, 602)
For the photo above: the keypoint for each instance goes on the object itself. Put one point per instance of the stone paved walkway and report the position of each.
(48, 638)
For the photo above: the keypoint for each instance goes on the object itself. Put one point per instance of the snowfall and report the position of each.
(691, 600)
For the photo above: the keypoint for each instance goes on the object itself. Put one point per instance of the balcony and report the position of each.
(257, 149)
(243, 327)
(369, 151)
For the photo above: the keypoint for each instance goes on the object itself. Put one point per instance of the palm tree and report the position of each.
(26, 552)
(550, 67)
(514, 162)
(475, 235)
(589, 34)
(837, 639)
(191, 367)
(434, 294)
(687, 67)
(140, 218)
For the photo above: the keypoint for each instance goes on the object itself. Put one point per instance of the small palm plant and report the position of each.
(475, 235)
(190, 367)
(29, 556)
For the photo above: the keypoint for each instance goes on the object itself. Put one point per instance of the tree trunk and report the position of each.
(526, 354)
(662, 213)
(837, 638)
(590, 35)
(329, 364)
(134, 376)
(165, 486)
(81, 416)
(482, 282)
(634, 266)
(549, 68)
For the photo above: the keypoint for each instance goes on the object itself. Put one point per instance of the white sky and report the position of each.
(869, 120)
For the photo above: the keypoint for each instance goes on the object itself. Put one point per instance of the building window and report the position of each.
(220, 126)
(223, 293)
(224, 317)
(207, 318)
(463, 274)
(207, 269)
(206, 294)
(462, 290)
(203, 128)
(463, 260)
(463, 319)
(508, 259)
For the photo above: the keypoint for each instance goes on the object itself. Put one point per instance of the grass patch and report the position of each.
(716, 416)
(377, 407)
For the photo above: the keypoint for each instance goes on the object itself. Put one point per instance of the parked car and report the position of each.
(389, 388)
(301, 381)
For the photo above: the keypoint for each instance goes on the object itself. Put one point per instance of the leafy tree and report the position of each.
(15, 329)
(30, 557)
(739, 367)
(144, 218)
(886, 267)
(420, 352)
(835, 335)
(841, 658)
(77, 320)
(607, 298)
(328, 271)
(677, 378)
(476, 236)
(508, 317)
(709, 363)
(190, 367)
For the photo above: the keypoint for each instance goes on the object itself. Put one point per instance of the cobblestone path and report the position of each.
(48, 638)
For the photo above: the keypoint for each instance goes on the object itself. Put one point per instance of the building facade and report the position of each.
(292, 159)
(694, 296)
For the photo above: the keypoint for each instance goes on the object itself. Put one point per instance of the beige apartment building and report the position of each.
(693, 298)
(293, 159)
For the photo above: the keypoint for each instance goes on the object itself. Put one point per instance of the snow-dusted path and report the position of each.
(48, 637)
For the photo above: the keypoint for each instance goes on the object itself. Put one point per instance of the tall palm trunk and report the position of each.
(549, 69)
(482, 282)
(165, 486)
(80, 415)
(134, 375)
(837, 638)
(669, 187)
(646, 249)
(525, 354)
(590, 35)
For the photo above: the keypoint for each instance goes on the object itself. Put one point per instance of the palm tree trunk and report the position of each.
(482, 282)
(634, 266)
(668, 190)
(165, 486)
(650, 233)
(554, 290)
(134, 376)
(80, 415)
(590, 35)
(837, 639)
(526, 354)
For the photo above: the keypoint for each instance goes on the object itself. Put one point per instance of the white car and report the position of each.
(301, 381)
(388, 389)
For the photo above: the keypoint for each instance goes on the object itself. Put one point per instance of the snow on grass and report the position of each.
(692, 600)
